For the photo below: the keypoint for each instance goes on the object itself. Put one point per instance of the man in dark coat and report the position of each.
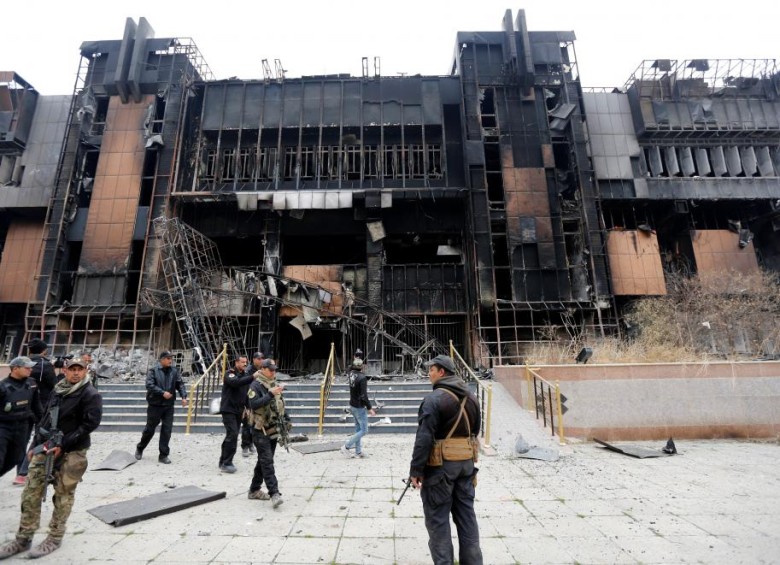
(234, 389)
(448, 416)
(43, 374)
(162, 384)
(19, 408)
(75, 409)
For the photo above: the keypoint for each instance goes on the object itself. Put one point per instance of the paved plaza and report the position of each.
(715, 502)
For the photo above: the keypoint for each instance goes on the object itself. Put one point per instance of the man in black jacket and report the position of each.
(43, 374)
(443, 463)
(360, 406)
(75, 410)
(19, 408)
(234, 389)
(162, 383)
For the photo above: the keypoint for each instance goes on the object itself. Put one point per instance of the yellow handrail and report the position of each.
(195, 389)
(530, 374)
(484, 392)
(327, 383)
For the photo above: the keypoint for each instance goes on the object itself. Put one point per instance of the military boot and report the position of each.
(13, 547)
(45, 548)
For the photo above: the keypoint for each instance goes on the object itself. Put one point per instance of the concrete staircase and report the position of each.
(124, 408)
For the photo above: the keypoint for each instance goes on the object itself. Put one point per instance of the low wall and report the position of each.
(658, 401)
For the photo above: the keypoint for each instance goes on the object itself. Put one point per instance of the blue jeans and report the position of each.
(361, 428)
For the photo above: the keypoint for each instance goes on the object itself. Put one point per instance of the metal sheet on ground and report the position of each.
(540, 453)
(130, 511)
(116, 461)
(632, 450)
(307, 448)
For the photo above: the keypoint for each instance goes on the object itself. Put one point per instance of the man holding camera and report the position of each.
(162, 383)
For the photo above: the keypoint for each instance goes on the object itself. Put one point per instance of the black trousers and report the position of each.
(155, 415)
(13, 444)
(246, 434)
(264, 470)
(232, 423)
(446, 490)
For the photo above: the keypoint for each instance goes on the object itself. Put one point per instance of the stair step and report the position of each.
(124, 408)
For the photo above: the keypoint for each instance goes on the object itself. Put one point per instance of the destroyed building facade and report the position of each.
(158, 207)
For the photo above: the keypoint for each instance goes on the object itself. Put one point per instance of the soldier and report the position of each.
(75, 410)
(43, 374)
(247, 447)
(162, 383)
(232, 404)
(445, 451)
(267, 405)
(19, 408)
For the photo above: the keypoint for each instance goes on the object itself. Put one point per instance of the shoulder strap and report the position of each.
(460, 414)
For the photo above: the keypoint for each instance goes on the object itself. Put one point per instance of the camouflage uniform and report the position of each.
(66, 479)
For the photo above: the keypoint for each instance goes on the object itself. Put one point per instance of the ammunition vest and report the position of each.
(455, 448)
(266, 418)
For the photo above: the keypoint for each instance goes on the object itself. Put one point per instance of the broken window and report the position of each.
(210, 169)
(351, 162)
(416, 165)
(266, 168)
(228, 164)
(370, 162)
(246, 164)
(290, 163)
(307, 163)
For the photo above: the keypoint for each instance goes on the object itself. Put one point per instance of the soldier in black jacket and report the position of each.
(43, 374)
(443, 463)
(234, 389)
(19, 408)
(79, 409)
(162, 383)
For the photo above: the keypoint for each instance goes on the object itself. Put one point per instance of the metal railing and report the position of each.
(484, 395)
(325, 386)
(204, 387)
(546, 398)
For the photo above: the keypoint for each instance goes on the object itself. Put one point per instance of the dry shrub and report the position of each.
(727, 316)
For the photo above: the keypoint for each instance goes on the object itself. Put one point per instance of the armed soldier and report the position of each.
(270, 425)
(19, 408)
(445, 450)
(74, 412)
(43, 374)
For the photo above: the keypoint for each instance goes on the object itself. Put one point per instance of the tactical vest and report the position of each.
(266, 418)
(17, 400)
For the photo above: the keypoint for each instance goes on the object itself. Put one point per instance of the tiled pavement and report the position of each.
(716, 502)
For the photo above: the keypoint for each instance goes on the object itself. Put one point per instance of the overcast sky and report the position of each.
(40, 39)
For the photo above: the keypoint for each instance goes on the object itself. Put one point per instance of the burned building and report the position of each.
(159, 207)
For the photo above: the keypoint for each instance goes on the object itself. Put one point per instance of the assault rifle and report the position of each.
(281, 427)
(53, 439)
(408, 483)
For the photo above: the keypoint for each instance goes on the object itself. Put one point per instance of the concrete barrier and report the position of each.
(657, 401)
